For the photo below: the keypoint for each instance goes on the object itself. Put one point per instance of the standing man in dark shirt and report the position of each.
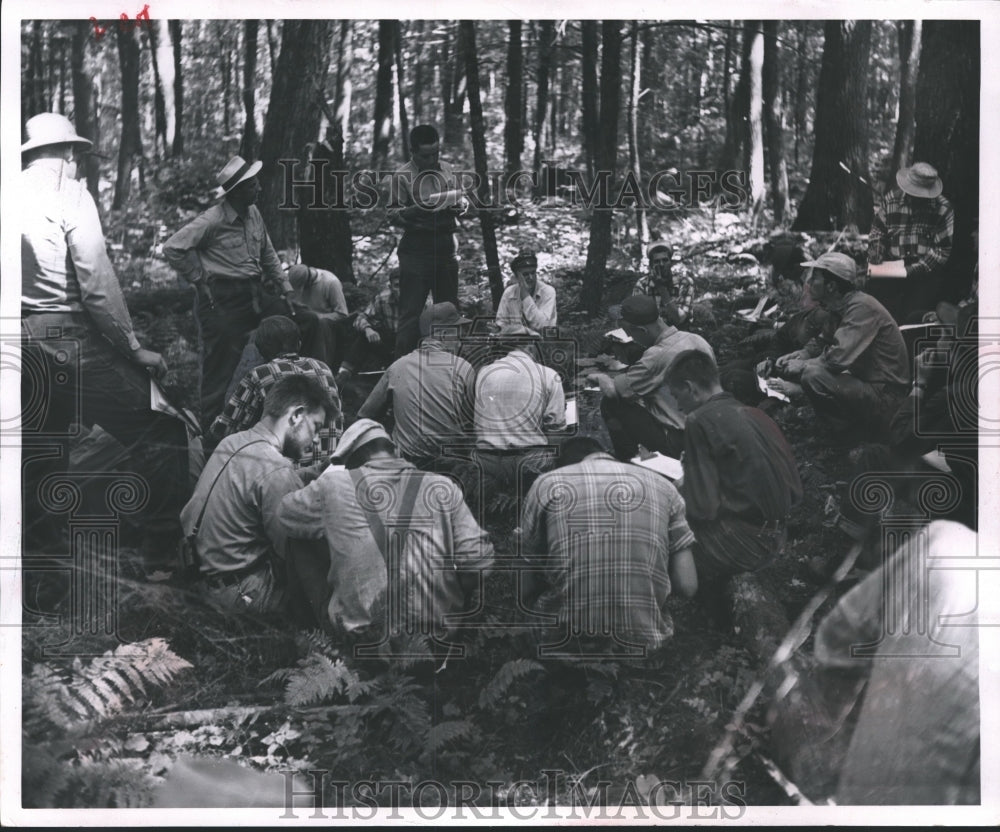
(227, 256)
(740, 477)
(425, 203)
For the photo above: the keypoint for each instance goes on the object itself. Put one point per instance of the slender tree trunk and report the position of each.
(755, 126)
(836, 197)
(735, 149)
(773, 125)
(34, 80)
(382, 133)
(293, 119)
(909, 32)
(159, 98)
(554, 87)
(599, 246)
(481, 161)
(226, 67)
(588, 32)
(159, 36)
(455, 102)
(272, 46)
(342, 95)
(546, 34)
(632, 122)
(175, 40)
(82, 113)
(248, 146)
(130, 150)
(418, 72)
(800, 86)
(650, 72)
(513, 125)
(404, 123)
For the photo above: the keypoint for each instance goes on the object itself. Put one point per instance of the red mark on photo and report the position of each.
(124, 23)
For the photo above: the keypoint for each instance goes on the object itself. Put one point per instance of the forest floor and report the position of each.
(496, 716)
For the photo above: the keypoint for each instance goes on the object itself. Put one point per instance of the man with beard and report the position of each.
(230, 518)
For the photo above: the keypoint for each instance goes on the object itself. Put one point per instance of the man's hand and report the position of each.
(523, 285)
(205, 293)
(605, 382)
(781, 364)
(152, 361)
(372, 336)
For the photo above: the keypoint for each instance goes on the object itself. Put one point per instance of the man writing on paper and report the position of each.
(913, 224)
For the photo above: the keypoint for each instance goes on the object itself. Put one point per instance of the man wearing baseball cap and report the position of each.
(914, 223)
(80, 357)
(674, 294)
(856, 380)
(528, 301)
(404, 549)
(227, 256)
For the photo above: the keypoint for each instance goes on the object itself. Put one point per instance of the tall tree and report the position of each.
(837, 197)
(481, 161)
(159, 96)
(736, 146)
(754, 67)
(382, 133)
(599, 245)
(404, 123)
(947, 136)
(130, 149)
(632, 122)
(342, 94)
(175, 27)
(454, 100)
(513, 130)
(546, 36)
(83, 117)
(773, 122)
(160, 40)
(248, 145)
(293, 117)
(588, 95)
(908, 33)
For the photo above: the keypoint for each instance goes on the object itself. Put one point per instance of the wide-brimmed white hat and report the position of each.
(236, 170)
(51, 128)
(920, 180)
(360, 433)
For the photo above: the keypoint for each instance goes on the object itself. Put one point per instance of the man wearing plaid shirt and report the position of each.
(914, 224)
(608, 543)
(674, 294)
(277, 339)
(377, 326)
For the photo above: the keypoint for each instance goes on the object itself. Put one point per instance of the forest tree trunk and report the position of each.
(325, 235)
(382, 132)
(909, 32)
(836, 197)
(755, 125)
(588, 95)
(454, 102)
(159, 97)
(404, 123)
(513, 130)
(546, 34)
(773, 123)
(342, 95)
(248, 145)
(175, 42)
(83, 116)
(130, 150)
(632, 125)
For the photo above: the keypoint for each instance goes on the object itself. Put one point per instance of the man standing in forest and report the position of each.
(915, 224)
(226, 254)
(425, 202)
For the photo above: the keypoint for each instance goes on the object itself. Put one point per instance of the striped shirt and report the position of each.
(915, 230)
(602, 532)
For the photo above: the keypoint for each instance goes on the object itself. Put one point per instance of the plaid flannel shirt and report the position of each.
(917, 231)
(381, 314)
(681, 293)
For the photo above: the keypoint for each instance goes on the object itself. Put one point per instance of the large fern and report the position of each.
(504, 678)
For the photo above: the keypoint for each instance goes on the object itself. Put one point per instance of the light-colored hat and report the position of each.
(838, 264)
(51, 128)
(920, 180)
(236, 170)
(357, 435)
(440, 315)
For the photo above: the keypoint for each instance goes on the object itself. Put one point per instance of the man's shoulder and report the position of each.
(859, 301)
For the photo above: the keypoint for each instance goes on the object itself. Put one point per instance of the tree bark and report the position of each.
(342, 95)
(836, 197)
(479, 151)
(947, 131)
(736, 147)
(248, 144)
(226, 68)
(293, 118)
(513, 125)
(404, 123)
(175, 27)
(773, 122)
(325, 235)
(159, 97)
(32, 94)
(909, 32)
(382, 133)
(546, 34)
(588, 32)
(632, 122)
(755, 126)
(159, 36)
(418, 72)
(599, 245)
(454, 104)
(83, 117)
(130, 150)
(800, 86)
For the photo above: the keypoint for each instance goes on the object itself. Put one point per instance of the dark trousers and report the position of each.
(727, 546)
(630, 425)
(72, 376)
(846, 402)
(428, 262)
(223, 332)
(362, 352)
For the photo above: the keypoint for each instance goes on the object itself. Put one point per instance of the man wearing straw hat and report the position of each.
(80, 357)
(227, 256)
(915, 224)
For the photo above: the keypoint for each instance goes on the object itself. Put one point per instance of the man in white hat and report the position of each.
(915, 224)
(858, 378)
(227, 256)
(81, 360)
(404, 549)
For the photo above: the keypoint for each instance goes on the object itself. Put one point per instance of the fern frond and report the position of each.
(318, 678)
(445, 732)
(504, 678)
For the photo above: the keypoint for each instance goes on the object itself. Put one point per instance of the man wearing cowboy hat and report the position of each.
(82, 362)
(673, 294)
(915, 224)
(226, 254)
(528, 301)
(858, 379)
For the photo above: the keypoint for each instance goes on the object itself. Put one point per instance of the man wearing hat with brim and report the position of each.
(637, 406)
(82, 362)
(404, 549)
(914, 223)
(528, 301)
(856, 380)
(430, 390)
(227, 256)
(674, 294)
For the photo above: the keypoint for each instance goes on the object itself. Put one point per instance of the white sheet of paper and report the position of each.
(666, 465)
(891, 268)
(571, 415)
(619, 335)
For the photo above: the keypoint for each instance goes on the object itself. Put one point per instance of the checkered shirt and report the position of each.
(917, 231)
(681, 294)
(382, 314)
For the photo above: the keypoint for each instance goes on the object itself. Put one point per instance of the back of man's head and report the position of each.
(423, 135)
(295, 390)
(696, 367)
(276, 335)
(576, 449)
